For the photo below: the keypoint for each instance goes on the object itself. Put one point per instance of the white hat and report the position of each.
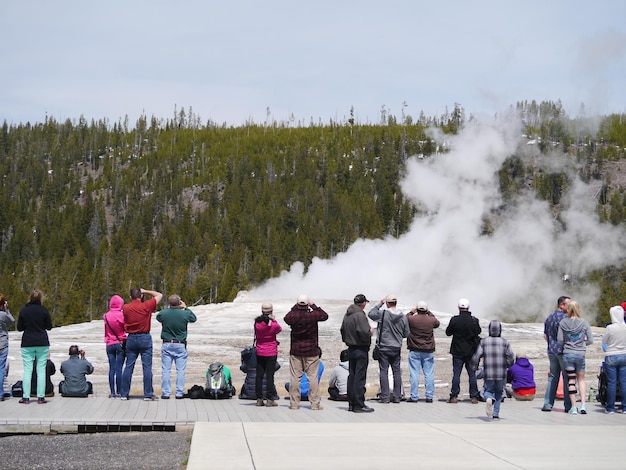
(267, 307)
(391, 298)
(463, 303)
(303, 300)
(422, 306)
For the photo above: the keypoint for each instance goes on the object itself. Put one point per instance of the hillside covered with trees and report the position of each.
(90, 209)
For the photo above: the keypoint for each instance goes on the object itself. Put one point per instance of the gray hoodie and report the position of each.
(575, 335)
(394, 329)
(614, 339)
(6, 320)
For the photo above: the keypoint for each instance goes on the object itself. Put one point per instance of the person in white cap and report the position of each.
(421, 345)
(305, 353)
(265, 330)
(392, 328)
(465, 330)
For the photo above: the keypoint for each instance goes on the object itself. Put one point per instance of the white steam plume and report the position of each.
(516, 272)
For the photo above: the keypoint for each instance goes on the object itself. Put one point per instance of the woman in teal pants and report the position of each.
(34, 320)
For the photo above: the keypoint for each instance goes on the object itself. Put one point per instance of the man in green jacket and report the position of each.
(174, 321)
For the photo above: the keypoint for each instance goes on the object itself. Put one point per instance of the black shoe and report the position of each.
(165, 397)
(365, 409)
(429, 400)
(411, 400)
(545, 408)
(41, 401)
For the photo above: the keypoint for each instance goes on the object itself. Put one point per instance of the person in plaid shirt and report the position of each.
(304, 355)
(497, 356)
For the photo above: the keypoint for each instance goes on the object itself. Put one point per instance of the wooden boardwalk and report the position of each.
(98, 414)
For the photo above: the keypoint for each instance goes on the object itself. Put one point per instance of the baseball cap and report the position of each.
(267, 307)
(463, 303)
(422, 306)
(359, 299)
(303, 300)
(391, 298)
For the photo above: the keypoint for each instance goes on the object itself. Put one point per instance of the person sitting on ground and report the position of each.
(338, 382)
(521, 376)
(50, 371)
(304, 383)
(219, 383)
(75, 369)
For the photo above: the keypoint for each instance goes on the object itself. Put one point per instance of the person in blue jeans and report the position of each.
(555, 355)
(421, 345)
(497, 356)
(6, 320)
(614, 346)
(137, 319)
(174, 321)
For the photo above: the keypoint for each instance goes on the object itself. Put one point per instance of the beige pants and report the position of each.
(299, 365)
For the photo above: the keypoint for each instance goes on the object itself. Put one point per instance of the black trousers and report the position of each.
(265, 367)
(358, 358)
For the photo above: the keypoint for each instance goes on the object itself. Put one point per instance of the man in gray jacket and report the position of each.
(392, 328)
(75, 370)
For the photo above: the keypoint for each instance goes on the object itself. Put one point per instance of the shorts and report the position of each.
(574, 361)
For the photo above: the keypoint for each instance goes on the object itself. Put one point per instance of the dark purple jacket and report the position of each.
(304, 333)
(521, 374)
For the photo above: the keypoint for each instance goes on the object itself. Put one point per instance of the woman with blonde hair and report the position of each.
(34, 320)
(575, 335)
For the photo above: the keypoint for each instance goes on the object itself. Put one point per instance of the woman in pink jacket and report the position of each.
(115, 340)
(265, 330)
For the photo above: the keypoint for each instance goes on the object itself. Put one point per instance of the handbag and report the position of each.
(376, 351)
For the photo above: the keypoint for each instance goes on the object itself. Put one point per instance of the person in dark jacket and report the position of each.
(465, 330)
(497, 356)
(421, 345)
(34, 320)
(75, 369)
(357, 334)
(50, 371)
(305, 353)
(521, 376)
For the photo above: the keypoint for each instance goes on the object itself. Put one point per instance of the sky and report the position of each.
(301, 62)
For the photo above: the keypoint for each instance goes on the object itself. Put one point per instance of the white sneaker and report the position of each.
(489, 407)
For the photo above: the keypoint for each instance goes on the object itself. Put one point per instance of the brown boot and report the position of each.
(271, 403)
(452, 400)
(259, 402)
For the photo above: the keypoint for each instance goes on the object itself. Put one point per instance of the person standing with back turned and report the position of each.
(174, 321)
(555, 355)
(34, 320)
(137, 318)
(304, 355)
(465, 330)
(357, 334)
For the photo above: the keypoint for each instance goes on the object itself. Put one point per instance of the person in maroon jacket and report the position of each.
(304, 355)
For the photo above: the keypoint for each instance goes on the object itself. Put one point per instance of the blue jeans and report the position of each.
(116, 356)
(457, 367)
(138, 345)
(494, 389)
(615, 367)
(177, 353)
(557, 367)
(425, 361)
(3, 366)
(390, 358)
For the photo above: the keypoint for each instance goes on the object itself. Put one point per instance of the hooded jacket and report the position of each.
(114, 322)
(521, 374)
(575, 335)
(392, 327)
(6, 320)
(355, 329)
(614, 338)
(496, 352)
